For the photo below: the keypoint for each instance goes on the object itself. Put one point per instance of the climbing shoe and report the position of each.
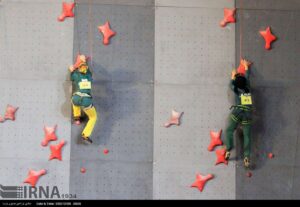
(87, 140)
(246, 162)
(227, 155)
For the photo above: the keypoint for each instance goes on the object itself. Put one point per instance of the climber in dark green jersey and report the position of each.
(241, 113)
(82, 98)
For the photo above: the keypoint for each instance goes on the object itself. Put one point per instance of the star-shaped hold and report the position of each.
(67, 11)
(215, 140)
(49, 135)
(10, 112)
(229, 17)
(221, 156)
(201, 181)
(242, 67)
(33, 176)
(268, 36)
(174, 120)
(106, 32)
(56, 150)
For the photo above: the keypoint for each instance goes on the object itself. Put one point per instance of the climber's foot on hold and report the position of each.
(87, 140)
(246, 162)
(227, 155)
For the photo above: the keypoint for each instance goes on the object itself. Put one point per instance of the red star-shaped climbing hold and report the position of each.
(49, 135)
(215, 140)
(175, 119)
(228, 17)
(33, 176)
(201, 181)
(10, 112)
(242, 69)
(67, 11)
(56, 151)
(106, 32)
(268, 36)
(221, 156)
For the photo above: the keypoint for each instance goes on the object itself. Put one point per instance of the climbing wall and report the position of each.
(167, 54)
(193, 60)
(34, 52)
(275, 82)
(123, 96)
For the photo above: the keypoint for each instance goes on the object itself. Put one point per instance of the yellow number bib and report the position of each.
(85, 85)
(246, 99)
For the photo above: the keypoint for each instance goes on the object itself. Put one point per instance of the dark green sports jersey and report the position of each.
(238, 97)
(82, 82)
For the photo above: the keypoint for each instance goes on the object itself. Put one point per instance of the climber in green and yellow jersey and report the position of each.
(242, 111)
(82, 80)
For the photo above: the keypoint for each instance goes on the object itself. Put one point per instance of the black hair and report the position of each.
(240, 82)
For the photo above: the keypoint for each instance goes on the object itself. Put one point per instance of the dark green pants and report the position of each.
(237, 117)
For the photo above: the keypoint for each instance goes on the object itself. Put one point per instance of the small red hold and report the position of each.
(83, 170)
(49, 135)
(229, 17)
(271, 155)
(10, 112)
(67, 11)
(221, 156)
(33, 176)
(106, 32)
(174, 120)
(105, 151)
(249, 174)
(215, 140)
(1, 119)
(201, 181)
(268, 36)
(56, 150)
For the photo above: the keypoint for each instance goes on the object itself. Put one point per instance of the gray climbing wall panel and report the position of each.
(123, 96)
(275, 82)
(167, 54)
(193, 57)
(34, 52)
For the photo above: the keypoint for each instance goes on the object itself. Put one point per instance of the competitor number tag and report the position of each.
(246, 99)
(84, 84)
